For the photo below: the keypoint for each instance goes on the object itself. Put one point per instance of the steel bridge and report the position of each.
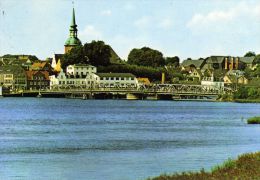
(155, 91)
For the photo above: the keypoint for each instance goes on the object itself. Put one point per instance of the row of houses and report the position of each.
(219, 63)
(87, 76)
(227, 69)
(40, 75)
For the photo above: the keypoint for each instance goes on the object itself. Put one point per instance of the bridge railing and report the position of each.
(155, 88)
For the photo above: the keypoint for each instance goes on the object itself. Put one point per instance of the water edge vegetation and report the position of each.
(247, 166)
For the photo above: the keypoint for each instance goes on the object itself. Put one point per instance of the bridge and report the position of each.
(155, 91)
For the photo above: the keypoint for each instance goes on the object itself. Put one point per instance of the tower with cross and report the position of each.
(73, 39)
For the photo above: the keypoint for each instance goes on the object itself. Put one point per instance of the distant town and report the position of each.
(96, 65)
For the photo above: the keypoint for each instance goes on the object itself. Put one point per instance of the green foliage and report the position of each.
(146, 57)
(31, 57)
(241, 93)
(247, 93)
(256, 72)
(74, 56)
(257, 59)
(248, 72)
(98, 53)
(154, 74)
(253, 120)
(174, 74)
(250, 54)
(173, 61)
(228, 164)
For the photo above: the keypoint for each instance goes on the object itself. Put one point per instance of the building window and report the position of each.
(117, 78)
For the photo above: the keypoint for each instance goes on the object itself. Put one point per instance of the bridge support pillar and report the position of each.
(152, 97)
(130, 96)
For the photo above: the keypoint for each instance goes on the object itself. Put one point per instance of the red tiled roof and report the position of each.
(30, 74)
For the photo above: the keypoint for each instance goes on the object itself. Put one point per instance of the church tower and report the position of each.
(73, 40)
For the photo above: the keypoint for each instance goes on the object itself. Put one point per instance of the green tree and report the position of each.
(242, 93)
(250, 54)
(74, 56)
(175, 61)
(146, 57)
(154, 74)
(98, 53)
(257, 59)
(252, 92)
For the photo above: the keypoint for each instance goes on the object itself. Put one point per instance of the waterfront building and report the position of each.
(212, 83)
(69, 80)
(195, 74)
(73, 39)
(248, 61)
(41, 66)
(37, 79)
(55, 63)
(116, 80)
(86, 76)
(189, 64)
(214, 63)
(80, 70)
(13, 77)
(235, 79)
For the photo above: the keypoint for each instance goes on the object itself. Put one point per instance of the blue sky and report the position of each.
(184, 28)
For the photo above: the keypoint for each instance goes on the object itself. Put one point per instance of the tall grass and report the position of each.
(247, 166)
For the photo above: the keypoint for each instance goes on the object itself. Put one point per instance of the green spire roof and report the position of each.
(73, 39)
(73, 21)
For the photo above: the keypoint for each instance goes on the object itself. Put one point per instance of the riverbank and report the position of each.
(247, 100)
(247, 166)
(230, 98)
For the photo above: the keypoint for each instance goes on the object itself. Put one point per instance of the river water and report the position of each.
(60, 139)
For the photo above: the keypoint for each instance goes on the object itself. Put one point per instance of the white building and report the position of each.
(62, 79)
(116, 80)
(212, 84)
(81, 70)
(86, 76)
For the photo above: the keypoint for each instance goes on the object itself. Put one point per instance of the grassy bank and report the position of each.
(247, 166)
(253, 120)
(247, 100)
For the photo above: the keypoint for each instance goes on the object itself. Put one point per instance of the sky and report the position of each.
(184, 28)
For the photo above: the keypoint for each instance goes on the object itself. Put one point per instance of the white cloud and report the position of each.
(218, 17)
(90, 33)
(143, 22)
(165, 23)
(106, 13)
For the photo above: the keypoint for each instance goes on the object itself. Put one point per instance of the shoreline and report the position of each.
(112, 98)
(245, 166)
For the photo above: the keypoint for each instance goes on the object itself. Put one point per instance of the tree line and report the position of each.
(143, 62)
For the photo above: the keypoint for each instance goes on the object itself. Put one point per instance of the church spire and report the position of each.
(73, 21)
(73, 40)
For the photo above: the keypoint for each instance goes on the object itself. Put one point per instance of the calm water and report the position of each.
(58, 139)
